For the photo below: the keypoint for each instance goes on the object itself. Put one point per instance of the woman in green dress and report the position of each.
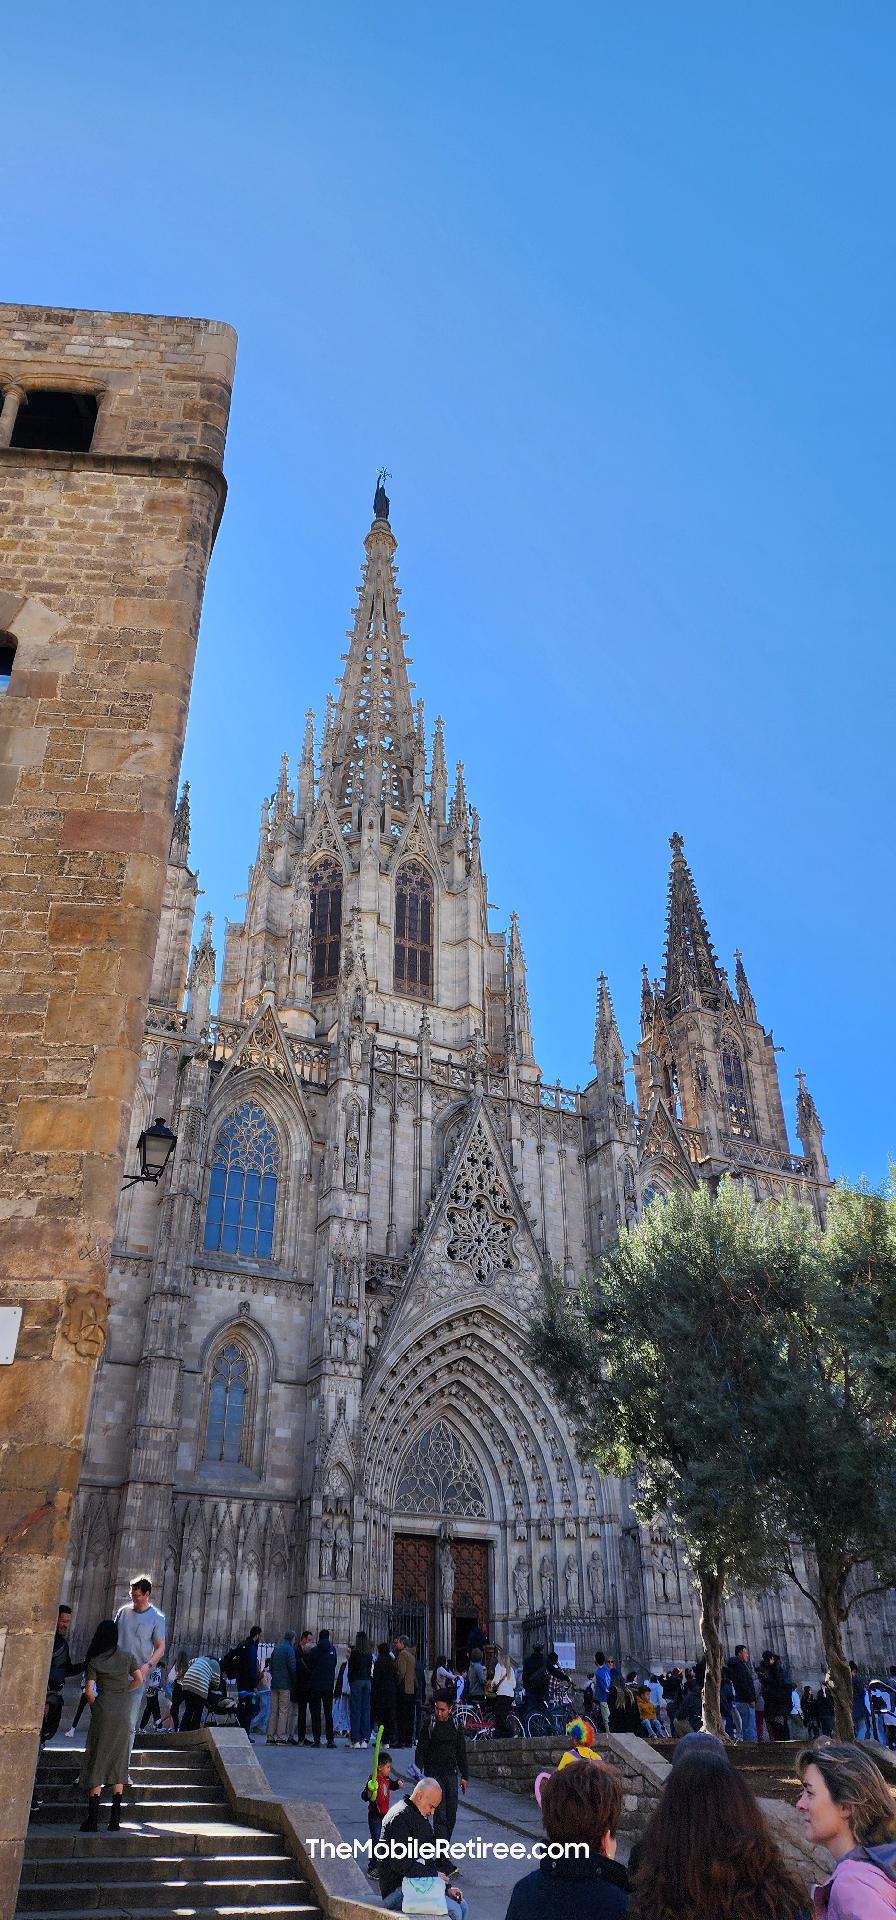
(110, 1676)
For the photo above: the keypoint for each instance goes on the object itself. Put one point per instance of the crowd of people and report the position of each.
(706, 1852)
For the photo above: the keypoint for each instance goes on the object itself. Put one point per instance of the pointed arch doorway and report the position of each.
(440, 1555)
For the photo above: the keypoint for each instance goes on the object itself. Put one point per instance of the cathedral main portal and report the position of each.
(440, 1590)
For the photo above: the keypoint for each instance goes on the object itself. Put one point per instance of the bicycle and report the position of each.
(547, 1721)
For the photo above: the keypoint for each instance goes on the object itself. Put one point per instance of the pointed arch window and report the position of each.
(413, 930)
(226, 1419)
(325, 887)
(242, 1194)
(736, 1092)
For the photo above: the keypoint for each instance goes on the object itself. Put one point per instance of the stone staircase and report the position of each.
(177, 1852)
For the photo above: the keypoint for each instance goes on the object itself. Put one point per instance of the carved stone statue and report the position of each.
(446, 1573)
(571, 1583)
(596, 1580)
(381, 498)
(546, 1578)
(343, 1548)
(84, 1320)
(521, 1585)
(352, 1143)
(665, 1583)
(327, 1542)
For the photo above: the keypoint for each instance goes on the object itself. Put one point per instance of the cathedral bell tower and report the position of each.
(706, 1070)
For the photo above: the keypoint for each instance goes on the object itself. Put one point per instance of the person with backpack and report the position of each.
(848, 1808)
(241, 1665)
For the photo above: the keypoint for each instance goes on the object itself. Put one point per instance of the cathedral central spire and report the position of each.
(691, 965)
(373, 738)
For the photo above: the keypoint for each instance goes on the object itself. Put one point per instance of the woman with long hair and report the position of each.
(500, 1687)
(360, 1668)
(708, 1852)
(110, 1676)
(848, 1808)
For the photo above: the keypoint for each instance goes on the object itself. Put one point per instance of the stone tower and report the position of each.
(111, 444)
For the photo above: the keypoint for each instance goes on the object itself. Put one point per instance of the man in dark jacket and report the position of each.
(441, 1752)
(299, 1691)
(776, 1692)
(740, 1674)
(61, 1666)
(321, 1681)
(408, 1824)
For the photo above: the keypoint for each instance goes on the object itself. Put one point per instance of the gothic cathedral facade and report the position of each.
(317, 1405)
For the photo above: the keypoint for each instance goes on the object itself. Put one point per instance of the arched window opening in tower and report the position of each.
(670, 1077)
(736, 1093)
(242, 1194)
(413, 930)
(325, 886)
(227, 1405)
(7, 656)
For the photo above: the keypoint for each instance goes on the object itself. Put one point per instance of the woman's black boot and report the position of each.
(115, 1815)
(93, 1813)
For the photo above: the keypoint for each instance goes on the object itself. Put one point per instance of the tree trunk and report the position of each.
(830, 1600)
(712, 1593)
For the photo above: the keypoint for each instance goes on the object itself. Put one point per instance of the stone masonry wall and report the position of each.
(103, 557)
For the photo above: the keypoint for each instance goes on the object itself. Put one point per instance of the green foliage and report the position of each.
(665, 1353)
(740, 1365)
(826, 1447)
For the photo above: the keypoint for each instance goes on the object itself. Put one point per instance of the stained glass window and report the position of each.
(413, 930)
(242, 1193)
(325, 886)
(736, 1092)
(227, 1399)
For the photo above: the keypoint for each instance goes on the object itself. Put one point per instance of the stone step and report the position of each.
(45, 1844)
(175, 1777)
(268, 1910)
(71, 1809)
(152, 1896)
(114, 1866)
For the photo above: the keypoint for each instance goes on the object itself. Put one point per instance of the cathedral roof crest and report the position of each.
(265, 1046)
(417, 837)
(661, 1140)
(324, 834)
(477, 1238)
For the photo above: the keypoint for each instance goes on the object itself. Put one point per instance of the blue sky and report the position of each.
(610, 291)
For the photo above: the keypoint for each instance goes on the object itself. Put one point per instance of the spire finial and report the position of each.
(381, 498)
(677, 844)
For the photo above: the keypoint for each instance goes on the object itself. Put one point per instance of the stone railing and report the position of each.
(514, 1765)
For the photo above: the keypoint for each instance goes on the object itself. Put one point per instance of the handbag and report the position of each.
(424, 1895)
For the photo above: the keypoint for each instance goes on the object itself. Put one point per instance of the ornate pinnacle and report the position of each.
(458, 817)
(281, 798)
(180, 832)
